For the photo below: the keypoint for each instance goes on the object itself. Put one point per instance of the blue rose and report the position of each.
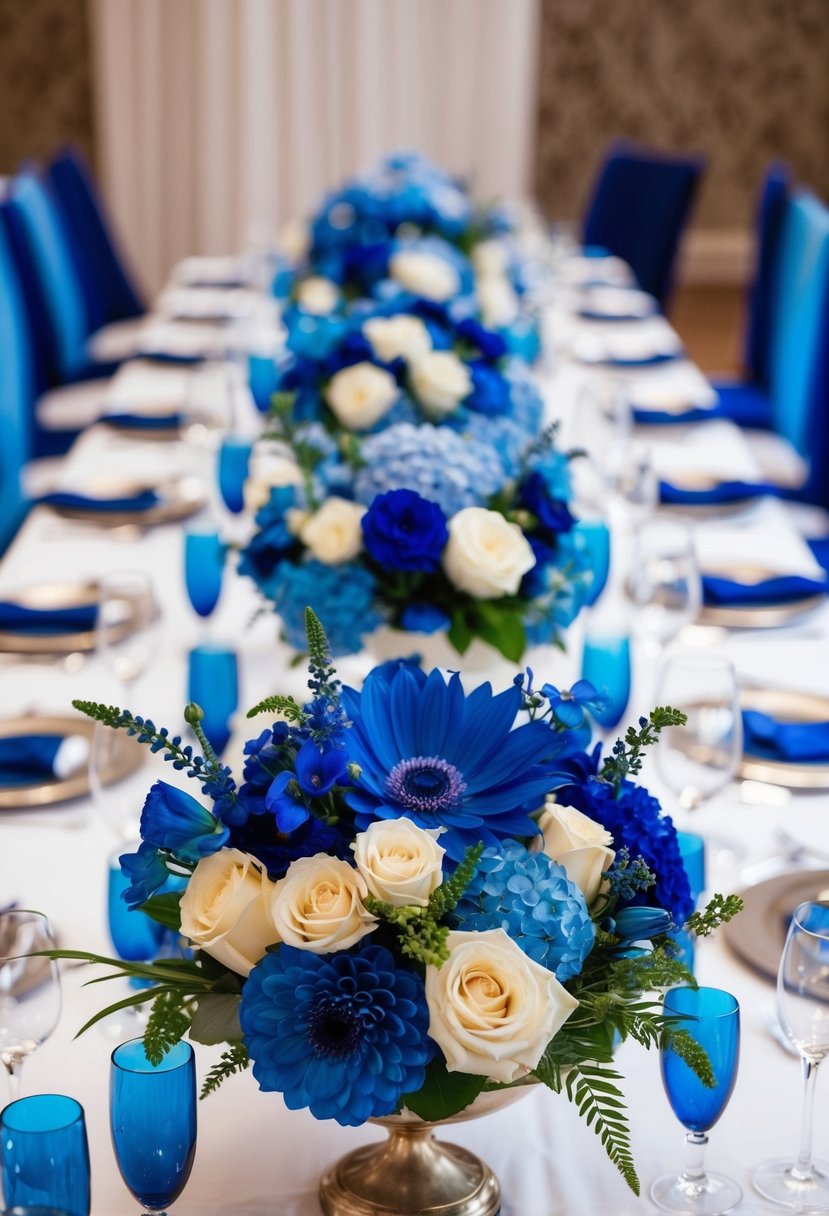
(174, 820)
(490, 390)
(403, 531)
(424, 618)
(536, 495)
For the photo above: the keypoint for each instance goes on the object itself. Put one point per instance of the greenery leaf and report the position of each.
(167, 1025)
(216, 1019)
(460, 634)
(503, 628)
(165, 909)
(235, 1059)
(600, 1102)
(443, 1094)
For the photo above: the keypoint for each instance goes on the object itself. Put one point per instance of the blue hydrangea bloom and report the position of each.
(507, 436)
(342, 1034)
(172, 819)
(403, 531)
(341, 596)
(531, 897)
(424, 618)
(440, 465)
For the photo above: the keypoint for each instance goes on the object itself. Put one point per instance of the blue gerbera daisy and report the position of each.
(443, 759)
(344, 1034)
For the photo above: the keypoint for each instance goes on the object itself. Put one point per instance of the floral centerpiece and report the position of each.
(425, 528)
(387, 918)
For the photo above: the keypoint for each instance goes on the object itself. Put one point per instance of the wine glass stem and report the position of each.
(14, 1067)
(695, 1143)
(802, 1169)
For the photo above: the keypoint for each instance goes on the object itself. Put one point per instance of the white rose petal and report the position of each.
(267, 472)
(425, 274)
(486, 555)
(492, 1009)
(498, 301)
(490, 257)
(441, 381)
(225, 910)
(318, 295)
(361, 395)
(579, 844)
(294, 240)
(401, 337)
(318, 905)
(400, 862)
(333, 533)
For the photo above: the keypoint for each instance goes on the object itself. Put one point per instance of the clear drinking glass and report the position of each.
(30, 996)
(127, 627)
(697, 760)
(664, 581)
(712, 1018)
(44, 1156)
(803, 1007)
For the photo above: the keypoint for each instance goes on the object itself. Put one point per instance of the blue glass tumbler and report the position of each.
(712, 1018)
(204, 563)
(692, 852)
(596, 536)
(213, 684)
(152, 1119)
(606, 664)
(234, 460)
(263, 380)
(44, 1156)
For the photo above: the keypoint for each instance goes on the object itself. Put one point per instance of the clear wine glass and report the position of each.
(697, 760)
(30, 996)
(803, 1007)
(712, 1018)
(128, 618)
(664, 581)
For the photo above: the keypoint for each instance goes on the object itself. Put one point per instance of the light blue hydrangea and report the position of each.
(568, 581)
(525, 396)
(507, 436)
(452, 470)
(342, 596)
(532, 899)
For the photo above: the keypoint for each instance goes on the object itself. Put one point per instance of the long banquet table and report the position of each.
(254, 1157)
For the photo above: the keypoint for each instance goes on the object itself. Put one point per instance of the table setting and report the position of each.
(371, 472)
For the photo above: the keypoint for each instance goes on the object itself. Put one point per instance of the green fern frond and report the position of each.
(235, 1059)
(599, 1101)
(290, 709)
(167, 1025)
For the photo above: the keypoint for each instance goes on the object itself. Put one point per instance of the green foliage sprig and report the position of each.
(719, 910)
(167, 1024)
(626, 757)
(235, 1059)
(289, 709)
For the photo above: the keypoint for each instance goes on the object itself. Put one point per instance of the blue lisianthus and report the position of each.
(536, 494)
(531, 897)
(641, 924)
(172, 819)
(342, 1034)
(424, 618)
(569, 706)
(443, 759)
(342, 596)
(403, 531)
(635, 821)
(488, 341)
(146, 871)
(490, 390)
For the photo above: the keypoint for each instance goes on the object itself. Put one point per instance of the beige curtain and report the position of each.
(218, 120)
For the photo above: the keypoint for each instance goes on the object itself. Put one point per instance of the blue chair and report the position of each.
(16, 389)
(640, 205)
(109, 290)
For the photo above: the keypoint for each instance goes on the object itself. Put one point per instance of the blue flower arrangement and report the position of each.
(387, 870)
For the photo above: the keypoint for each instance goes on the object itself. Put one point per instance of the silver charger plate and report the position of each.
(758, 934)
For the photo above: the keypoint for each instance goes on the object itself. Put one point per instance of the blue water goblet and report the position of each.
(596, 536)
(44, 1156)
(152, 1112)
(213, 684)
(136, 938)
(712, 1018)
(204, 561)
(606, 664)
(234, 460)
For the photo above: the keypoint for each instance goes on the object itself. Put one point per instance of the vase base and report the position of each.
(411, 1174)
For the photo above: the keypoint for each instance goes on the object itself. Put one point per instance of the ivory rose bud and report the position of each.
(579, 844)
(318, 905)
(333, 533)
(490, 257)
(224, 910)
(492, 1010)
(400, 862)
(425, 274)
(361, 395)
(318, 295)
(401, 337)
(441, 381)
(498, 301)
(294, 239)
(486, 555)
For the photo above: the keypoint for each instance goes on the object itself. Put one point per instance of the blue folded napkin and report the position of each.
(663, 356)
(144, 422)
(143, 501)
(591, 314)
(793, 741)
(722, 492)
(695, 413)
(18, 618)
(780, 590)
(169, 356)
(25, 759)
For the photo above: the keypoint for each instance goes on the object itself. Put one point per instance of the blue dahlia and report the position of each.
(342, 596)
(343, 1034)
(532, 899)
(403, 531)
(443, 759)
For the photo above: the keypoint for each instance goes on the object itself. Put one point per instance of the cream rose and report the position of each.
(361, 395)
(318, 905)
(492, 1010)
(400, 337)
(294, 239)
(486, 556)
(579, 844)
(490, 258)
(224, 910)
(425, 274)
(333, 533)
(400, 862)
(440, 381)
(498, 301)
(267, 472)
(318, 295)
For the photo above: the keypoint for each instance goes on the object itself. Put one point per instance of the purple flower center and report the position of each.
(425, 784)
(335, 1027)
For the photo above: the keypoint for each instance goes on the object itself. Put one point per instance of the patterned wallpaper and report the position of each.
(45, 94)
(742, 81)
